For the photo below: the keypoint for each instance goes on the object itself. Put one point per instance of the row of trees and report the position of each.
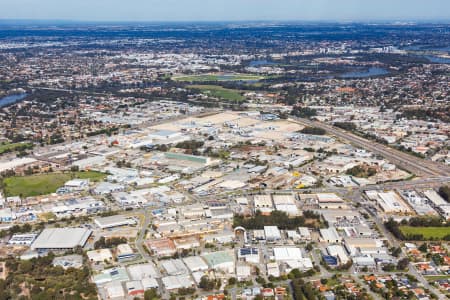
(276, 218)
(303, 112)
(394, 227)
(109, 243)
(303, 290)
(313, 130)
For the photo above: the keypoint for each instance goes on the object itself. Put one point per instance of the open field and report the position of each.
(7, 147)
(219, 92)
(219, 77)
(43, 184)
(427, 232)
(433, 278)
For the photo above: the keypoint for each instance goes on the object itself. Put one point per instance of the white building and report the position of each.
(272, 233)
(330, 235)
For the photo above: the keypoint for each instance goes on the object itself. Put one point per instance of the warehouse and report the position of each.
(263, 203)
(330, 201)
(114, 290)
(61, 238)
(391, 202)
(221, 260)
(195, 263)
(141, 271)
(250, 255)
(134, 288)
(339, 252)
(272, 233)
(304, 233)
(149, 283)
(124, 252)
(364, 246)
(174, 267)
(286, 203)
(99, 255)
(161, 247)
(243, 272)
(285, 254)
(22, 239)
(330, 235)
(114, 221)
(176, 282)
(111, 275)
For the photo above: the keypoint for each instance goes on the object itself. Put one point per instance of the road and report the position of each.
(141, 236)
(408, 162)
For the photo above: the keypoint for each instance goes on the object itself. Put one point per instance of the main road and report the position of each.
(413, 164)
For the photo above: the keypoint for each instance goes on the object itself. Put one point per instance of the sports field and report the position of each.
(429, 233)
(219, 92)
(43, 184)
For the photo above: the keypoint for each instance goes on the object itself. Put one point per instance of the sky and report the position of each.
(226, 10)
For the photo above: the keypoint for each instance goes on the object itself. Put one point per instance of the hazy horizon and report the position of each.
(161, 11)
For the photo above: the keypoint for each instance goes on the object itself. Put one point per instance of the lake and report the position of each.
(373, 71)
(261, 63)
(437, 59)
(11, 99)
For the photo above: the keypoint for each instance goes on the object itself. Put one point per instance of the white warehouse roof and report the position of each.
(284, 254)
(61, 238)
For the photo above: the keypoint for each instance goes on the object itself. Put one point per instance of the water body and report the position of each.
(373, 71)
(261, 63)
(437, 59)
(427, 47)
(226, 77)
(11, 99)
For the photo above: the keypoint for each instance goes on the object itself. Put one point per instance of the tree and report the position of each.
(232, 281)
(423, 248)
(444, 191)
(151, 294)
(313, 130)
(402, 264)
(389, 268)
(207, 284)
(396, 251)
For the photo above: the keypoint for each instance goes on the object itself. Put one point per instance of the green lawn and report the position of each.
(8, 147)
(427, 232)
(218, 77)
(44, 184)
(433, 278)
(219, 92)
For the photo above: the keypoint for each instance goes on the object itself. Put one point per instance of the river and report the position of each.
(373, 71)
(11, 99)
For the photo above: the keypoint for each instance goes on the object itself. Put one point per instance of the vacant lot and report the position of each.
(219, 77)
(219, 92)
(429, 233)
(43, 184)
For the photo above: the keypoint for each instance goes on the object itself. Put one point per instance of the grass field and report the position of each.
(433, 278)
(218, 77)
(219, 92)
(43, 184)
(427, 232)
(8, 147)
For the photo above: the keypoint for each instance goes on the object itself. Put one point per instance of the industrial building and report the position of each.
(114, 221)
(61, 238)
